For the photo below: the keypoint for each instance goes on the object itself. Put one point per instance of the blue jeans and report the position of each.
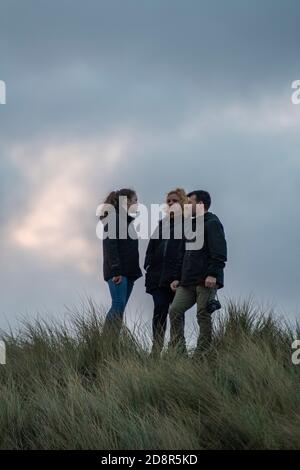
(120, 294)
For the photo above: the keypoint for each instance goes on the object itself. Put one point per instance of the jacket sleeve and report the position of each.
(149, 253)
(217, 248)
(113, 256)
(112, 251)
(177, 266)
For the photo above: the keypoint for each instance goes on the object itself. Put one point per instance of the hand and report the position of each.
(117, 279)
(174, 285)
(210, 281)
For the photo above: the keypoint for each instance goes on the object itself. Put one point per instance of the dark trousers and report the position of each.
(162, 298)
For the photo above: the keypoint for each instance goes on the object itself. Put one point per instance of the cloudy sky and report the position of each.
(149, 94)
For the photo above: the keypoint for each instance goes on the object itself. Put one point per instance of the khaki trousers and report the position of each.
(184, 299)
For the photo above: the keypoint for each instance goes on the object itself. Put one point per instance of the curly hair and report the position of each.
(112, 199)
(181, 194)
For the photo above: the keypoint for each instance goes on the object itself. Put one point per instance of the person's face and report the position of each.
(197, 207)
(132, 203)
(173, 204)
(172, 199)
(193, 201)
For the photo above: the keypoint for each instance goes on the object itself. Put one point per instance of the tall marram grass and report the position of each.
(67, 388)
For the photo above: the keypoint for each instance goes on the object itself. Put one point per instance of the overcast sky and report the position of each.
(151, 95)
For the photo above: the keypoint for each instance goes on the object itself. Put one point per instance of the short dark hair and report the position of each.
(201, 196)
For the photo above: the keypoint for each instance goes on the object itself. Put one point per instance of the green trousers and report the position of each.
(184, 299)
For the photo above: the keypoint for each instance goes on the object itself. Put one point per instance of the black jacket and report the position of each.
(121, 256)
(210, 259)
(162, 263)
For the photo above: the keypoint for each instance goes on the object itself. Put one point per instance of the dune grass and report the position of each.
(67, 388)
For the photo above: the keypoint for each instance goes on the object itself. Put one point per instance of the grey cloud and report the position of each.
(83, 70)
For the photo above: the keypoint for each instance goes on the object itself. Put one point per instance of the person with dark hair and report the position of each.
(120, 254)
(200, 196)
(202, 274)
(160, 265)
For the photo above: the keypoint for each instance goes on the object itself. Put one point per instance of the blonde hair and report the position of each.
(180, 192)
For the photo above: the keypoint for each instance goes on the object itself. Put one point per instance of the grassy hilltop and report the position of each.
(71, 391)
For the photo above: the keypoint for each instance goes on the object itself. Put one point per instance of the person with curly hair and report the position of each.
(120, 255)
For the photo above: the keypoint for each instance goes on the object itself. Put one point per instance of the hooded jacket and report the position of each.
(209, 260)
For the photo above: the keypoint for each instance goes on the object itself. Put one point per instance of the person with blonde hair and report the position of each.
(161, 264)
